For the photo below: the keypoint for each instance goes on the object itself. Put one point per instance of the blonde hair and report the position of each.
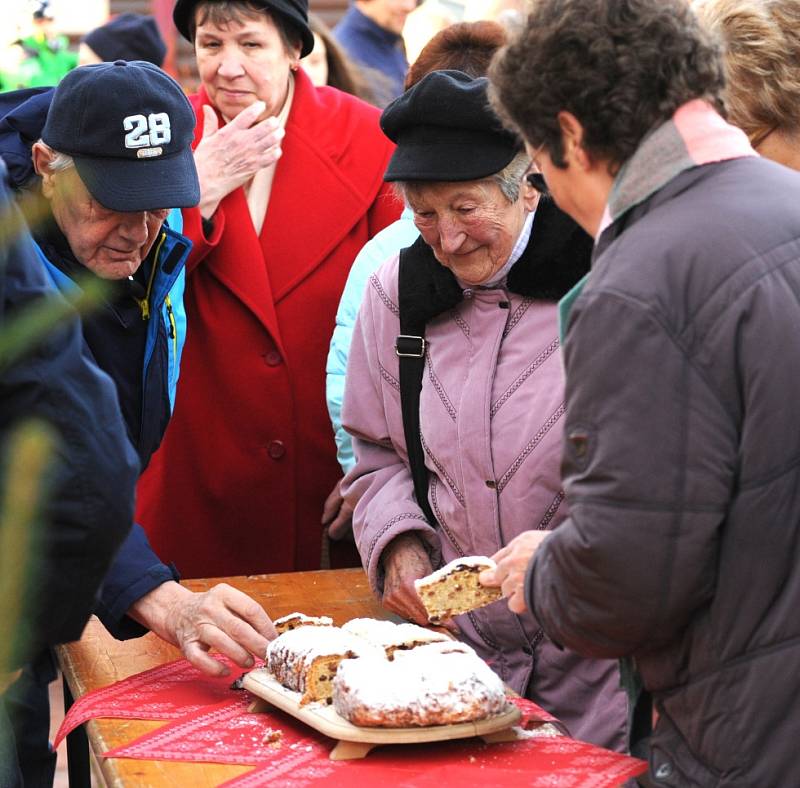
(761, 39)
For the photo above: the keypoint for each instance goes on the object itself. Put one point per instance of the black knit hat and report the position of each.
(128, 37)
(445, 130)
(292, 12)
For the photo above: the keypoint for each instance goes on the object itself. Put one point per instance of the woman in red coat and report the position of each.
(239, 483)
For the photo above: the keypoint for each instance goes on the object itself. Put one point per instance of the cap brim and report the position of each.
(448, 161)
(141, 185)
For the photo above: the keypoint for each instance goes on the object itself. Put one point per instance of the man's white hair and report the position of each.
(60, 161)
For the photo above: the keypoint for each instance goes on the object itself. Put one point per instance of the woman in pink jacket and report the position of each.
(492, 261)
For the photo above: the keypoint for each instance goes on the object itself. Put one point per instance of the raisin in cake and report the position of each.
(295, 620)
(392, 637)
(420, 687)
(455, 589)
(305, 659)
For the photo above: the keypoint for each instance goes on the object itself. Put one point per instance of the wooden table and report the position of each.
(97, 660)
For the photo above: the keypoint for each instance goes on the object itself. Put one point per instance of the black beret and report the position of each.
(445, 130)
(292, 12)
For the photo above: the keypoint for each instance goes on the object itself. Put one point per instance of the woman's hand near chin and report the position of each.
(404, 561)
(228, 157)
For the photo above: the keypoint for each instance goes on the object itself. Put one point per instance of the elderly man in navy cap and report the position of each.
(113, 156)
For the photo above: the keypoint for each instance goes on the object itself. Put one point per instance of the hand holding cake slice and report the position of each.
(455, 589)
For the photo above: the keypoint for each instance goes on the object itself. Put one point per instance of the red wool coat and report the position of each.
(239, 482)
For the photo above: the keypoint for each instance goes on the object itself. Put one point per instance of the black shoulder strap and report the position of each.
(410, 348)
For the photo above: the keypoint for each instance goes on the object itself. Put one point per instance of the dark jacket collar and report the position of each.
(556, 257)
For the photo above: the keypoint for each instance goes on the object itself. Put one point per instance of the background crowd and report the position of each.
(532, 296)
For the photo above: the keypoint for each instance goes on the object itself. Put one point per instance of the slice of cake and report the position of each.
(419, 688)
(295, 620)
(455, 589)
(392, 637)
(305, 659)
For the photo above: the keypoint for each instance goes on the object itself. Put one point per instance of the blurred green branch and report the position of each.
(29, 452)
(29, 210)
(31, 325)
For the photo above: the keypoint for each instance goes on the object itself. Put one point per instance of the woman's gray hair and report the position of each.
(509, 179)
(60, 161)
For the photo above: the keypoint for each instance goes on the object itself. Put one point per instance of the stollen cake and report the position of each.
(305, 659)
(446, 647)
(295, 620)
(393, 637)
(419, 687)
(455, 589)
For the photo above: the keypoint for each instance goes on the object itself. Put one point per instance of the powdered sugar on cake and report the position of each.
(378, 673)
(419, 688)
(390, 636)
(304, 659)
(295, 620)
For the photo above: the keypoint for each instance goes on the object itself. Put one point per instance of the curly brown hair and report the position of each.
(621, 67)
(762, 61)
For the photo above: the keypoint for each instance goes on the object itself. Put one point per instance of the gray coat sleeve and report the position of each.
(648, 468)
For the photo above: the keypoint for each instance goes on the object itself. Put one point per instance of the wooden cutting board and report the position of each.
(356, 742)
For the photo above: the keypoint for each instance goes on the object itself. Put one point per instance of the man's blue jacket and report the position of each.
(146, 385)
(89, 506)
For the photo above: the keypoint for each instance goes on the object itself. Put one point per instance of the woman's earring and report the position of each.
(295, 65)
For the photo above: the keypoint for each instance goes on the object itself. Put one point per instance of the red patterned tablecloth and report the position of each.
(168, 692)
(209, 722)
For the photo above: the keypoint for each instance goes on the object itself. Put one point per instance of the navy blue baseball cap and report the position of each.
(129, 127)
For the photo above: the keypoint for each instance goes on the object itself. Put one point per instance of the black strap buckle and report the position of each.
(407, 346)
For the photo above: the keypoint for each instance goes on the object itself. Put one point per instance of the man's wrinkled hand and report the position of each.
(228, 157)
(404, 561)
(222, 619)
(512, 564)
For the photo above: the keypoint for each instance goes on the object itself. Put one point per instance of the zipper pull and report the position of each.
(172, 331)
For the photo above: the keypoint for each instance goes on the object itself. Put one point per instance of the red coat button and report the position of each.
(276, 449)
(273, 358)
